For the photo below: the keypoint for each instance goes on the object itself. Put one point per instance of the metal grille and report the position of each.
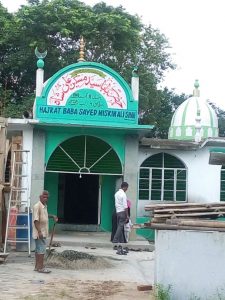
(162, 177)
(222, 184)
(84, 154)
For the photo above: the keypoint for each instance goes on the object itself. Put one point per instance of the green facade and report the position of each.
(87, 93)
(86, 111)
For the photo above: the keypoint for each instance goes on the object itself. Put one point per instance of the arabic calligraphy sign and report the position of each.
(88, 78)
(86, 94)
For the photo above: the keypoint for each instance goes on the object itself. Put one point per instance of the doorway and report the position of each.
(78, 199)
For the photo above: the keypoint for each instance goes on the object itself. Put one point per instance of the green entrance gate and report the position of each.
(81, 173)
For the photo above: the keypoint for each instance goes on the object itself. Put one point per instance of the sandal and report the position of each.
(46, 271)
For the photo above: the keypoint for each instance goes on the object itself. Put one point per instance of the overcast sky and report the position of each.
(195, 29)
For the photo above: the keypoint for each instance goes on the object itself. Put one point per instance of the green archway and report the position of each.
(86, 155)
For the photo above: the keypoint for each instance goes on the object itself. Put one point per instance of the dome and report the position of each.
(193, 117)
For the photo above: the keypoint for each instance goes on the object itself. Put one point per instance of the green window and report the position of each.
(163, 177)
(222, 184)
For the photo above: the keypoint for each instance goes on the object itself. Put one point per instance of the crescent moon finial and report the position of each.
(40, 55)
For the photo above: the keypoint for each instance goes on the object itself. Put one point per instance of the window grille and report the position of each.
(222, 184)
(163, 177)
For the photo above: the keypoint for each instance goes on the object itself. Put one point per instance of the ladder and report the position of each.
(18, 214)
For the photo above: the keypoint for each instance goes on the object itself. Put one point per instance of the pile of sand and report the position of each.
(70, 259)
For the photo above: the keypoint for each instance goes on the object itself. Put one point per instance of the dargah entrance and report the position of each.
(79, 201)
(81, 163)
(87, 133)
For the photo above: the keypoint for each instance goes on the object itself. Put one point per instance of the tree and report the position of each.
(113, 37)
(161, 112)
(221, 118)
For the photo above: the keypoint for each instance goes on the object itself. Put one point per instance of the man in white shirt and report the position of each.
(121, 211)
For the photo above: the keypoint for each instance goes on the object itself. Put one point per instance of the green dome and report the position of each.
(184, 121)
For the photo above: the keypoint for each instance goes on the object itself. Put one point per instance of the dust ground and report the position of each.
(115, 277)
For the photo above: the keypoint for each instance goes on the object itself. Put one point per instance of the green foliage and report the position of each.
(162, 292)
(15, 110)
(159, 110)
(221, 118)
(113, 37)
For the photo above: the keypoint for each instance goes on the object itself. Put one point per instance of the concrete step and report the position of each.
(98, 240)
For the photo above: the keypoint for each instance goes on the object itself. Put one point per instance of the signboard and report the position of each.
(86, 94)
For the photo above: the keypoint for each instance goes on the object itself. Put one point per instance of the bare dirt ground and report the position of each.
(88, 290)
(116, 280)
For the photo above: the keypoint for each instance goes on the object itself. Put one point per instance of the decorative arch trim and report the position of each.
(85, 155)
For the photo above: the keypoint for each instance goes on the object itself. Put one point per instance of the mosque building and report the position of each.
(84, 139)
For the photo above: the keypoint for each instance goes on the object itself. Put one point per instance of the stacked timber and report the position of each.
(187, 216)
(3, 130)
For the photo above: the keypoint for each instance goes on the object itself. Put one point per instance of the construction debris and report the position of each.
(70, 259)
(3, 131)
(3, 257)
(146, 287)
(186, 216)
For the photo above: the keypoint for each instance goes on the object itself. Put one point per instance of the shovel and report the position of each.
(51, 239)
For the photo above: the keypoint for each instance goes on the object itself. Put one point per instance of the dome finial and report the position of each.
(198, 126)
(196, 85)
(82, 44)
(196, 92)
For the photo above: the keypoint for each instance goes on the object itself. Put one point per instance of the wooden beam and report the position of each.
(181, 227)
(146, 287)
(182, 205)
(200, 214)
(3, 126)
(189, 209)
(201, 223)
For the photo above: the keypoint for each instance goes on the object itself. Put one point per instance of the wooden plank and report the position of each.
(205, 214)
(182, 205)
(3, 131)
(138, 226)
(181, 227)
(2, 149)
(1, 213)
(201, 223)
(146, 287)
(191, 209)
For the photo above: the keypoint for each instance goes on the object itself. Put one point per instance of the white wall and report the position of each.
(192, 262)
(203, 180)
(16, 126)
(28, 145)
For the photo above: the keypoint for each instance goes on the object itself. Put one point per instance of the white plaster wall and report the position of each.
(28, 145)
(17, 126)
(131, 175)
(192, 262)
(203, 180)
(38, 165)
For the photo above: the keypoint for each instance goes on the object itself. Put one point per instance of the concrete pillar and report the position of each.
(28, 146)
(38, 165)
(131, 175)
(39, 81)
